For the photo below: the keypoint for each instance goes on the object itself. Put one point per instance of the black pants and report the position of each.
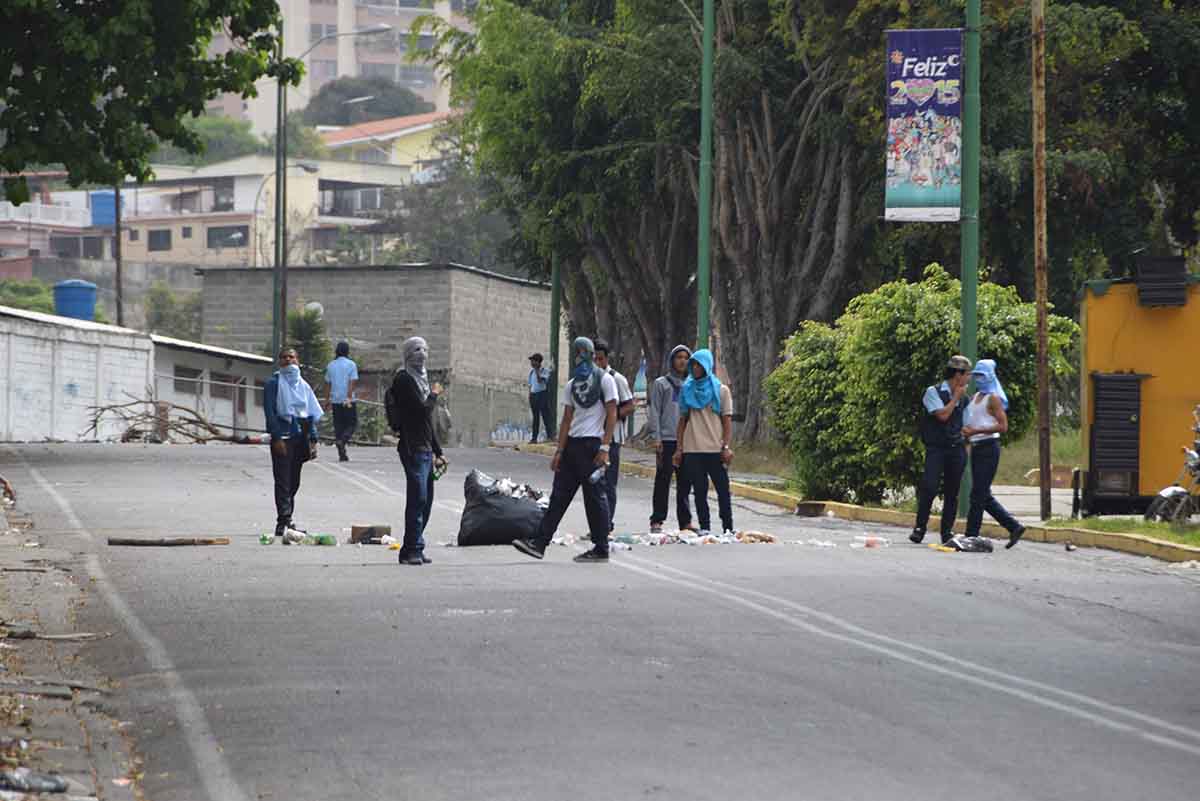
(610, 480)
(286, 468)
(345, 421)
(700, 467)
(985, 458)
(663, 473)
(575, 466)
(539, 406)
(943, 470)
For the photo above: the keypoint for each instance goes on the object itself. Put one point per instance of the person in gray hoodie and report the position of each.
(664, 420)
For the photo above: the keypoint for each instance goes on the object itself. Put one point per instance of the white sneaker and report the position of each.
(703, 533)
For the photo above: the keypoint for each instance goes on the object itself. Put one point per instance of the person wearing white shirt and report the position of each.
(539, 397)
(624, 409)
(584, 439)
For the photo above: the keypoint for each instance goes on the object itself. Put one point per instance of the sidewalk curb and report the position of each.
(1136, 544)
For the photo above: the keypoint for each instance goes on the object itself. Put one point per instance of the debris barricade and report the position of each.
(498, 511)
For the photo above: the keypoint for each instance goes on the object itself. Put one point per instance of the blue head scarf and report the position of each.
(701, 392)
(294, 397)
(986, 380)
(585, 378)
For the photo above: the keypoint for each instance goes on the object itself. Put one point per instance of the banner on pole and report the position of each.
(924, 119)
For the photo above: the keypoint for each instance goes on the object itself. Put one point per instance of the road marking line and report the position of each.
(215, 774)
(379, 485)
(739, 596)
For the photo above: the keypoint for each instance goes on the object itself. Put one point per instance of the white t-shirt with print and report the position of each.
(624, 395)
(590, 422)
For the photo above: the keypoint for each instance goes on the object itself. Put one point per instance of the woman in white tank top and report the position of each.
(983, 423)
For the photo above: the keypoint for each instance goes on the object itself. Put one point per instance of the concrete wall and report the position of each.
(241, 411)
(54, 373)
(481, 328)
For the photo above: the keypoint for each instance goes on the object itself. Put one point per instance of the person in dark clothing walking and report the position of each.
(663, 422)
(945, 449)
(589, 417)
(414, 400)
(624, 408)
(984, 421)
(341, 379)
(539, 397)
(292, 413)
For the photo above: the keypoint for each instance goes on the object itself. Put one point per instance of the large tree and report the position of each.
(221, 138)
(387, 98)
(96, 86)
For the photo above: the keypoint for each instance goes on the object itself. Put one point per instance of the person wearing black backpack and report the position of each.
(410, 403)
(945, 450)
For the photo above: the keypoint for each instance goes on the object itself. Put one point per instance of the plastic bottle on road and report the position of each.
(265, 539)
(871, 541)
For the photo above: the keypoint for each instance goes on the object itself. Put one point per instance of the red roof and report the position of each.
(380, 129)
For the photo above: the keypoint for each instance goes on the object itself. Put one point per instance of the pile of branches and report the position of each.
(151, 420)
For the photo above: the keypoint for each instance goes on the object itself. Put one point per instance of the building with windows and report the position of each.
(407, 141)
(322, 25)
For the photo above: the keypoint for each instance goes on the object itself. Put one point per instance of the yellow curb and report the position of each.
(1136, 544)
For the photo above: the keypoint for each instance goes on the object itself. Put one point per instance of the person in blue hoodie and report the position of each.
(292, 413)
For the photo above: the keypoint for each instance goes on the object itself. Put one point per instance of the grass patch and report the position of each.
(1186, 535)
(770, 458)
(1018, 458)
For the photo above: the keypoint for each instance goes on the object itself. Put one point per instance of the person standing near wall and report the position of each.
(663, 423)
(624, 409)
(341, 379)
(412, 401)
(704, 433)
(292, 413)
(539, 397)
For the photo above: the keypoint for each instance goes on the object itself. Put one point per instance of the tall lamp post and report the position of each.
(279, 315)
(307, 166)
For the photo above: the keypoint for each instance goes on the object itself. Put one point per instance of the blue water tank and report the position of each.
(104, 208)
(76, 299)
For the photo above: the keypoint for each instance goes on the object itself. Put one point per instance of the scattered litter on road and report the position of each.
(24, 569)
(620, 546)
(750, 537)
(564, 539)
(1070, 546)
(30, 634)
(25, 780)
(170, 542)
(816, 543)
(373, 534)
(294, 537)
(498, 511)
(970, 544)
(870, 541)
(33, 544)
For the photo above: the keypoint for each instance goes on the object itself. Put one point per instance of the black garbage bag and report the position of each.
(970, 544)
(491, 517)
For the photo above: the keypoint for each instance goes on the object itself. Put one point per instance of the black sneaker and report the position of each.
(1015, 536)
(425, 560)
(916, 536)
(592, 556)
(948, 539)
(529, 548)
(411, 559)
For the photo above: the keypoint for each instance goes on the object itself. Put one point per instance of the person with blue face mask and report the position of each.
(985, 420)
(704, 434)
(292, 412)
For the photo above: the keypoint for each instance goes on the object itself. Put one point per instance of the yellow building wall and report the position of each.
(410, 149)
(1121, 336)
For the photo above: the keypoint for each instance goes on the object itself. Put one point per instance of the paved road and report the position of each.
(715, 672)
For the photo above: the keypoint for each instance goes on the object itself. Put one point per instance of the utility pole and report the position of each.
(276, 308)
(704, 253)
(1038, 21)
(556, 298)
(117, 250)
(969, 225)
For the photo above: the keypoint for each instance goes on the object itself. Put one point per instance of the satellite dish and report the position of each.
(313, 306)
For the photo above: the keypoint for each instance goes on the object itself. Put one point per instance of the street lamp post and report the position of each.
(279, 316)
(307, 166)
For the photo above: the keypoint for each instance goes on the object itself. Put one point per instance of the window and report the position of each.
(65, 247)
(317, 32)
(93, 247)
(159, 239)
(370, 199)
(187, 379)
(413, 75)
(187, 232)
(371, 154)
(133, 234)
(220, 385)
(228, 236)
(222, 194)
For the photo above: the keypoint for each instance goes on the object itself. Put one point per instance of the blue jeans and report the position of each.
(985, 458)
(700, 467)
(418, 469)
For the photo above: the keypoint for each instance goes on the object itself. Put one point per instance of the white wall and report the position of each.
(52, 374)
(199, 395)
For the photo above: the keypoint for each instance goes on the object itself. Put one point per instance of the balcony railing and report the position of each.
(46, 214)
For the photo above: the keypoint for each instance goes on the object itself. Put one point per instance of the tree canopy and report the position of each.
(221, 138)
(387, 99)
(96, 86)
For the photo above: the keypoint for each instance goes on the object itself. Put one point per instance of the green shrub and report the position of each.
(847, 397)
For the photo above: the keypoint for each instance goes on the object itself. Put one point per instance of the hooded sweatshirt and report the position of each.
(664, 400)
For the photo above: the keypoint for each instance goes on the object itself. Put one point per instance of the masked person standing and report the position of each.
(411, 409)
(341, 379)
(985, 420)
(664, 421)
(624, 409)
(292, 413)
(704, 433)
(584, 439)
(945, 449)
